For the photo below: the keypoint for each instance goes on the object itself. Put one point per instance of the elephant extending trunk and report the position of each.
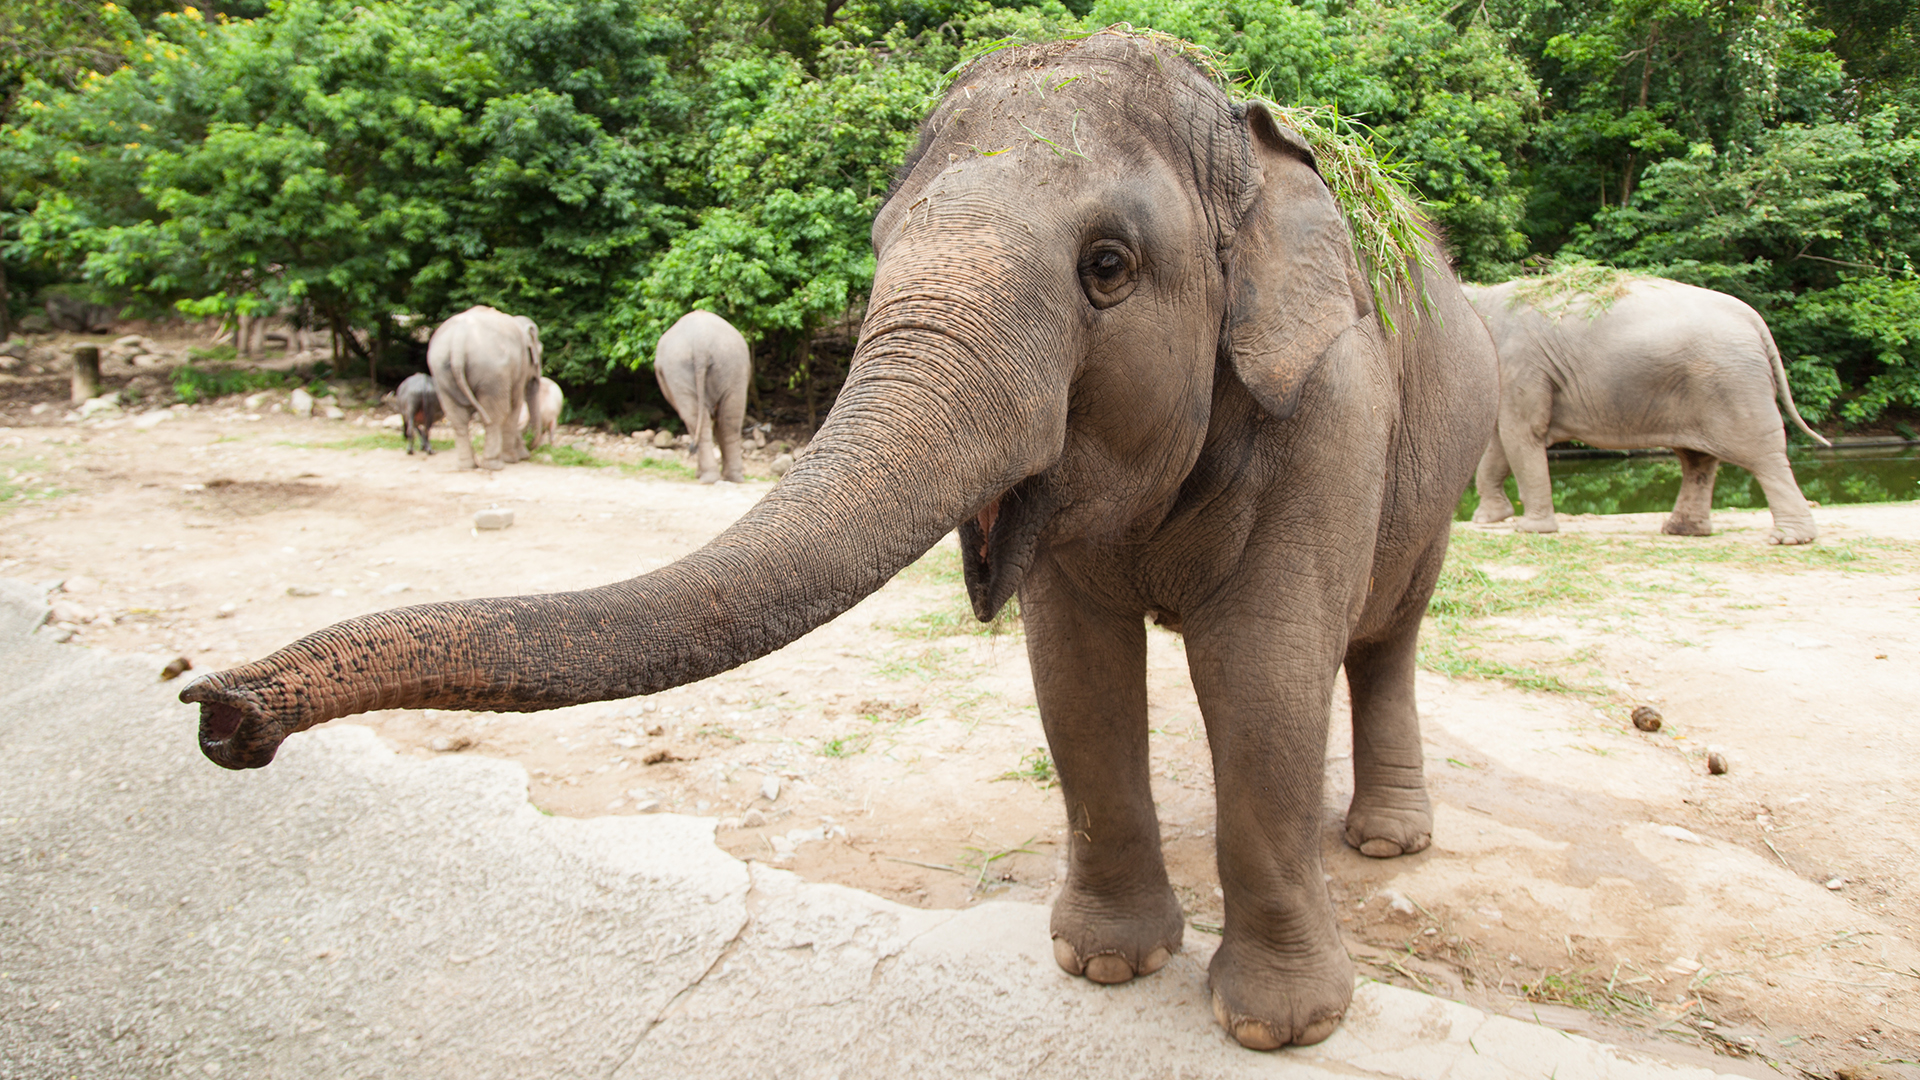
(864, 504)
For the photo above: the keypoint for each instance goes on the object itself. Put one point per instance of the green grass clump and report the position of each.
(374, 440)
(1036, 767)
(565, 454)
(196, 384)
(674, 470)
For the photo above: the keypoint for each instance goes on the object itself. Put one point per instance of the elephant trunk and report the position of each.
(898, 464)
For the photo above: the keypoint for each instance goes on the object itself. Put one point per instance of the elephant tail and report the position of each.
(1785, 391)
(458, 362)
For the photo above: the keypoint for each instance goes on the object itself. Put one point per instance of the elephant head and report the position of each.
(1036, 370)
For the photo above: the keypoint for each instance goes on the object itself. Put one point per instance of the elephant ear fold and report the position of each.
(1293, 288)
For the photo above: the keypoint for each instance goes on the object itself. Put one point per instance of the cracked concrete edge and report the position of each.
(402, 917)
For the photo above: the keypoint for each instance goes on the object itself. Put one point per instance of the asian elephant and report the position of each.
(1117, 337)
(541, 413)
(1663, 364)
(485, 363)
(703, 366)
(419, 405)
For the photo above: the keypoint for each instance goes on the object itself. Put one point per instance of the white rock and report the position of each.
(79, 583)
(335, 412)
(104, 403)
(1685, 836)
(780, 464)
(304, 590)
(493, 518)
(770, 788)
(396, 587)
(752, 819)
(71, 612)
(301, 403)
(149, 421)
(664, 440)
(254, 401)
(396, 422)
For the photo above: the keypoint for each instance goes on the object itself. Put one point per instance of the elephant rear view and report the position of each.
(483, 362)
(1660, 364)
(703, 365)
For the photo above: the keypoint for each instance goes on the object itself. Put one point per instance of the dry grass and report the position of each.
(1569, 281)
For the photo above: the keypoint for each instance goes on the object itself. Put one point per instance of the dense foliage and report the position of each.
(604, 165)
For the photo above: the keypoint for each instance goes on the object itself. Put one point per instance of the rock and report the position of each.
(753, 819)
(145, 359)
(656, 731)
(1646, 718)
(301, 403)
(40, 410)
(15, 349)
(226, 610)
(664, 439)
(1675, 832)
(108, 402)
(447, 744)
(35, 324)
(153, 419)
(395, 587)
(759, 438)
(335, 412)
(493, 518)
(644, 435)
(128, 341)
(176, 667)
(1716, 762)
(254, 401)
(396, 422)
(770, 788)
(304, 590)
(660, 757)
(1836, 884)
(781, 464)
(79, 584)
(71, 612)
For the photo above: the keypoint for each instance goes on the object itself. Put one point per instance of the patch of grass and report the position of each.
(660, 467)
(1584, 990)
(1036, 767)
(979, 861)
(846, 745)
(196, 384)
(568, 455)
(718, 732)
(373, 440)
(958, 618)
(22, 482)
(213, 354)
(939, 566)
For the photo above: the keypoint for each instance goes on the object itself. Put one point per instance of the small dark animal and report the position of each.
(419, 405)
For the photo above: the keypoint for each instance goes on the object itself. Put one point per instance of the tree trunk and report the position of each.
(6, 309)
(86, 372)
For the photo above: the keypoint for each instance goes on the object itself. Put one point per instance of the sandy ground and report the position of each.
(1583, 872)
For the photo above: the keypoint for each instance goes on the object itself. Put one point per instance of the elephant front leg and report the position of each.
(1693, 510)
(1281, 974)
(1391, 813)
(1116, 916)
(1490, 480)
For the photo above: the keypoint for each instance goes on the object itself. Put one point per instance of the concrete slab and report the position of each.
(348, 912)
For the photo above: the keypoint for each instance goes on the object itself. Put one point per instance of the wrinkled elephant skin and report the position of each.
(1662, 364)
(703, 365)
(486, 363)
(1145, 379)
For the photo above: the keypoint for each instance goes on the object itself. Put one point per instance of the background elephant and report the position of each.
(1664, 364)
(419, 405)
(1145, 380)
(703, 366)
(541, 414)
(485, 363)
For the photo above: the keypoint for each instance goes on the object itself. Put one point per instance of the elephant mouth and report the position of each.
(997, 544)
(234, 733)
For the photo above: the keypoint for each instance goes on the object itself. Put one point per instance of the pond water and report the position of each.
(1609, 482)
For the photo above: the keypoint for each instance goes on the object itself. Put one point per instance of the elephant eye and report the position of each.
(1108, 272)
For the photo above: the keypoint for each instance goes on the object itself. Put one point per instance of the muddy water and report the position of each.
(1616, 482)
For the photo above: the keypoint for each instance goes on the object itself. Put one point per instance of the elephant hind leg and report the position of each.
(1693, 510)
(1390, 813)
(1490, 480)
(1792, 517)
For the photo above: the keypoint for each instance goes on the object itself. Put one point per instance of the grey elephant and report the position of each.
(485, 363)
(703, 365)
(540, 416)
(419, 405)
(1661, 364)
(1146, 380)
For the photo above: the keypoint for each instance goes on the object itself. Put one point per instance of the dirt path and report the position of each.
(1583, 871)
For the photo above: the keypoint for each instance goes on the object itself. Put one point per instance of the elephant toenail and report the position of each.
(1257, 1035)
(1068, 960)
(1317, 1032)
(1380, 849)
(1109, 969)
(1155, 960)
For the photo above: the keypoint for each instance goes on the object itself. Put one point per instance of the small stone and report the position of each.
(301, 403)
(395, 422)
(1717, 763)
(40, 410)
(254, 401)
(660, 757)
(646, 806)
(447, 744)
(1646, 718)
(780, 464)
(664, 439)
(493, 518)
(656, 731)
(175, 668)
(304, 590)
(395, 587)
(770, 788)
(152, 420)
(1836, 884)
(103, 403)
(226, 610)
(79, 583)
(68, 611)
(335, 412)
(752, 819)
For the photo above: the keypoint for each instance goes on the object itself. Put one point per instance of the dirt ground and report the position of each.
(1583, 872)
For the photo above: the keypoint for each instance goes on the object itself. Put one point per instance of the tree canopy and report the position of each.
(605, 165)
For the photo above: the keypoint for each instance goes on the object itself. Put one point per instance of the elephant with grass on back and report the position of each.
(1145, 379)
(1639, 362)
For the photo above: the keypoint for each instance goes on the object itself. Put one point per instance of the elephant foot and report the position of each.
(1273, 994)
(1489, 512)
(1776, 535)
(1530, 524)
(1113, 941)
(1687, 526)
(493, 465)
(709, 478)
(735, 476)
(1380, 829)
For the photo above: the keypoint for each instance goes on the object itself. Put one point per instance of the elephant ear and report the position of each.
(1293, 288)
